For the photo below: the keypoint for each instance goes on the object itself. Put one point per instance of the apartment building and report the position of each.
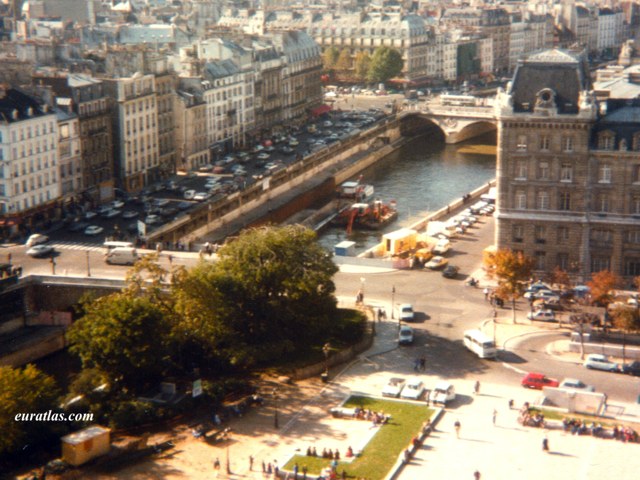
(69, 155)
(135, 125)
(29, 168)
(192, 146)
(85, 96)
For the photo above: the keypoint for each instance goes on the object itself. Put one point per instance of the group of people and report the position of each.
(378, 418)
(329, 454)
(535, 420)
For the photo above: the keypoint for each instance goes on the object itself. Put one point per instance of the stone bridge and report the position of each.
(458, 123)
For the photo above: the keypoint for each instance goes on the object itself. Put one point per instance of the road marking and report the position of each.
(79, 246)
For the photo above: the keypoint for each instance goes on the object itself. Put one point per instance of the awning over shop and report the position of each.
(322, 109)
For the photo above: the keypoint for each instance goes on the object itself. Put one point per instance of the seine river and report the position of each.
(421, 177)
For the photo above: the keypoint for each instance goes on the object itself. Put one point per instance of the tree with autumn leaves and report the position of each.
(513, 271)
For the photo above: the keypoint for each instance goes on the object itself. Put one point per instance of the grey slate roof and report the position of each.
(14, 100)
(560, 71)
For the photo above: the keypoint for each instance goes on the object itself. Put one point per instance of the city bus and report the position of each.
(480, 344)
(458, 100)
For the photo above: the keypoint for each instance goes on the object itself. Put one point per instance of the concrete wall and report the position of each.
(613, 350)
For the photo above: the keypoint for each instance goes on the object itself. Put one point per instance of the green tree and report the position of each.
(361, 67)
(24, 390)
(343, 63)
(270, 292)
(329, 58)
(512, 270)
(602, 285)
(386, 63)
(123, 336)
(627, 319)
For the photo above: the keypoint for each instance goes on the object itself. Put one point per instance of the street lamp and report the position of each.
(275, 405)
(88, 265)
(393, 302)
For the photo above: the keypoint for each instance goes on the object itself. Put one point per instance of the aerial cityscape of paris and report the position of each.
(336, 239)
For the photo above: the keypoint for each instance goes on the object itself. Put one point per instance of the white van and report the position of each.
(442, 247)
(122, 256)
(480, 344)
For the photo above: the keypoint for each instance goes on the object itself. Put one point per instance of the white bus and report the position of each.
(480, 344)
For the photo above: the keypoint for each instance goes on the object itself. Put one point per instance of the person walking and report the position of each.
(476, 388)
(251, 463)
(476, 475)
(486, 294)
(216, 464)
(545, 444)
(456, 426)
(495, 414)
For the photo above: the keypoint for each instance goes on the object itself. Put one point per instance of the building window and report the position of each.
(600, 263)
(603, 203)
(564, 201)
(566, 173)
(601, 236)
(604, 174)
(540, 234)
(563, 234)
(543, 170)
(562, 261)
(521, 145)
(632, 267)
(633, 236)
(635, 205)
(567, 144)
(606, 141)
(635, 174)
(521, 170)
(544, 143)
(521, 200)
(518, 233)
(543, 200)
(541, 260)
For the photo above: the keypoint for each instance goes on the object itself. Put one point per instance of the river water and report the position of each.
(422, 176)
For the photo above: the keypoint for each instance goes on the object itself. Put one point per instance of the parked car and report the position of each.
(40, 251)
(632, 368)
(436, 262)
(393, 387)
(413, 390)
(575, 384)
(542, 316)
(110, 213)
(451, 271)
(77, 226)
(546, 295)
(152, 219)
(189, 194)
(129, 214)
(538, 380)
(442, 393)
(93, 230)
(597, 361)
(405, 335)
(442, 247)
(36, 239)
(201, 196)
(263, 156)
(406, 312)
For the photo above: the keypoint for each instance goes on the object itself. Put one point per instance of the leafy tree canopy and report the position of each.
(512, 270)
(362, 63)
(330, 57)
(24, 390)
(386, 63)
(270, 291)
(123, 336)
(343, 63)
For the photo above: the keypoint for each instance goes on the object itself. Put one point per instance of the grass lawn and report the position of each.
(382, 451)
(606, 422)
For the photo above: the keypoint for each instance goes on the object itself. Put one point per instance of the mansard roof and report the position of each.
(16, 106)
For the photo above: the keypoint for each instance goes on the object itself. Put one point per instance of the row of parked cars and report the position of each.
(414, 389)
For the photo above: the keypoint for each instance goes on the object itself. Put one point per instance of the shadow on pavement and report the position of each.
(507, 356)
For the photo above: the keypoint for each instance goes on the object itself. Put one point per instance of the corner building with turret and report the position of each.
(568, 172)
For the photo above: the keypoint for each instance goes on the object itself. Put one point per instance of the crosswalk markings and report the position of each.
(86, 246)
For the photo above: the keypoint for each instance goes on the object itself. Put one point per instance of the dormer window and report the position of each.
(606, 140)
(521, 145)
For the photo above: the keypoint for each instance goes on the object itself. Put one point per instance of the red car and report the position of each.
(538, 380)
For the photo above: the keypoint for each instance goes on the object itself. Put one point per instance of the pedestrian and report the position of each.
(511, 404)
(456, 426)
(545, 444)
(486, 294)
(495, 414)
(251, 463)
(170, 260)
(476, 475)
(264, 467)
(379, 314)
(476, 388)
(416, 364)
(9, 258)
(423, 363)
(216, 464)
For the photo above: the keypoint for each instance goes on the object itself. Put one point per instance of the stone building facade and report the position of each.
(568, 171)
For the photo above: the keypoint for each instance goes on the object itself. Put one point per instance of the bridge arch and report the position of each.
(414, 125)
(470, 129)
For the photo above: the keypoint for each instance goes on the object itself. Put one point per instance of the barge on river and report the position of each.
(366, 216)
